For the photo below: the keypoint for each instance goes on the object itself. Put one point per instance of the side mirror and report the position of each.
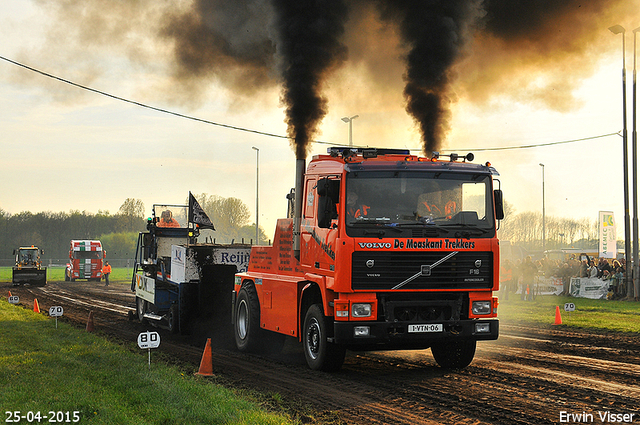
(328, 194)
(498, 203)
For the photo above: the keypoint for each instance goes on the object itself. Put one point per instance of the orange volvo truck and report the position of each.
(384, 250)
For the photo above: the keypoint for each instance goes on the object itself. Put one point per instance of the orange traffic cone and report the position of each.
(36, 307)
(89, 327)
(9, 293)
(558, 317)
(206, 364)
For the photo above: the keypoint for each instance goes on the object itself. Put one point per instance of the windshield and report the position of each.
(171, 215)
(28, 255)
(442, 203)
(87, 255)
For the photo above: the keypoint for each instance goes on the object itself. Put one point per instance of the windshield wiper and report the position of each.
(376, 221)
(420, 225)
(370, 220)
(468, 227)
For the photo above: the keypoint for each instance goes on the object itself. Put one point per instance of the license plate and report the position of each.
(435, 327)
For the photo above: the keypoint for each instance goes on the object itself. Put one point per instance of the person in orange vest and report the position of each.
(428, 205)
(167, 220)
(355, 210)
(106, 271)
(506, 277)
(450, 209)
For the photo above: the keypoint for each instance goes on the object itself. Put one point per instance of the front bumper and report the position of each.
(387, 335)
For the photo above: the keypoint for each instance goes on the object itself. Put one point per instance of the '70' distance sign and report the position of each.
(56, 311)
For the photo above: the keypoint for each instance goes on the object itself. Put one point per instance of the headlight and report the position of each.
(481, 307)
(483, 328)
(361, 310)
(361, 331)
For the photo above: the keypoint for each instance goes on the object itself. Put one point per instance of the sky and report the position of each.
(65, 148)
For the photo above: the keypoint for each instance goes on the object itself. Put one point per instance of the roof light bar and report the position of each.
(365, 152)
(453, 157)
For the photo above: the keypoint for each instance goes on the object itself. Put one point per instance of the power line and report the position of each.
(504, 148)
(248, 130)
(232, 127)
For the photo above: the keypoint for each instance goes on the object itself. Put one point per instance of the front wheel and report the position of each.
(319, 352)
(454, 354)
(141, 308)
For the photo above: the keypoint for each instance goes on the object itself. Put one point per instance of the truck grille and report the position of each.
(384, 270)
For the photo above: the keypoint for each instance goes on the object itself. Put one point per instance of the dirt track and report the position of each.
(528, 376)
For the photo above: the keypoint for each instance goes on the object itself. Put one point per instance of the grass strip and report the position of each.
(602, 315)
(44, 369)
(56, 274)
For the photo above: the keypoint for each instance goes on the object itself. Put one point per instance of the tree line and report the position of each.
(52, 231)
(118, 232)
(526, 229)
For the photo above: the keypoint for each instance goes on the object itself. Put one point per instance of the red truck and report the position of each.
(385, 250)
(85, 260)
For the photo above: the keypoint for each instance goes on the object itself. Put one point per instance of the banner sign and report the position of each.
(607, 236)
(549, 286)
(590, 287)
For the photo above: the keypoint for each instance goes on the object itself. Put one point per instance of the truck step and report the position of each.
(151, 316)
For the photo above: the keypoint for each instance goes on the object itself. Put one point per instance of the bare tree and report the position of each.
(132, 207)
(131, 215)
(229, 216)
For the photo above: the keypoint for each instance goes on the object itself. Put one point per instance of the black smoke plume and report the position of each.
(435, 33)
(517, 48)
(223, 40)
(308, 46)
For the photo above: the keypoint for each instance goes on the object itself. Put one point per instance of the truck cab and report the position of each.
(396, 251)
(85, 261)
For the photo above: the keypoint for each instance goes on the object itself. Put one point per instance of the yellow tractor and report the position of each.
(28, 268)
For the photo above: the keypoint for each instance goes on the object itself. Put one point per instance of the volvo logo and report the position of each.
(370, 263)
(478, 263)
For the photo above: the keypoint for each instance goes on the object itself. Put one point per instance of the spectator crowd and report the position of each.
(522, 274)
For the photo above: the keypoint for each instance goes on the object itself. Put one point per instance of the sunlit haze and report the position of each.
(65, 148)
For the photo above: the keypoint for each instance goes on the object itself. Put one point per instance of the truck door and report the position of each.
(319, 229)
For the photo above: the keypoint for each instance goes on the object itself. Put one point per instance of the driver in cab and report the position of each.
(354, 209)
(167, 220)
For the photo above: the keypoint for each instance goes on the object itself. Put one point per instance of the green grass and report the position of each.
(68, 370)
(118, 274)
(620, 316)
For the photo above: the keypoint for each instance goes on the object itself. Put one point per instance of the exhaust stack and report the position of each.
(297, 214)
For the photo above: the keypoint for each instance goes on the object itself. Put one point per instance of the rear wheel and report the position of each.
(454, 354)
(319, 352)
(247, 320)
(174, 319)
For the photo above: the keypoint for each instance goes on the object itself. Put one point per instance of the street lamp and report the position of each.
(634, 161)
(544, 233)
(257, 182)
(350, 122)
(618, 29)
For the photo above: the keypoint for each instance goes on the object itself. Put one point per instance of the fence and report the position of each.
(56, 262)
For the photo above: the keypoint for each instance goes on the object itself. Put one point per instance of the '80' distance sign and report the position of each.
(149, 340)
